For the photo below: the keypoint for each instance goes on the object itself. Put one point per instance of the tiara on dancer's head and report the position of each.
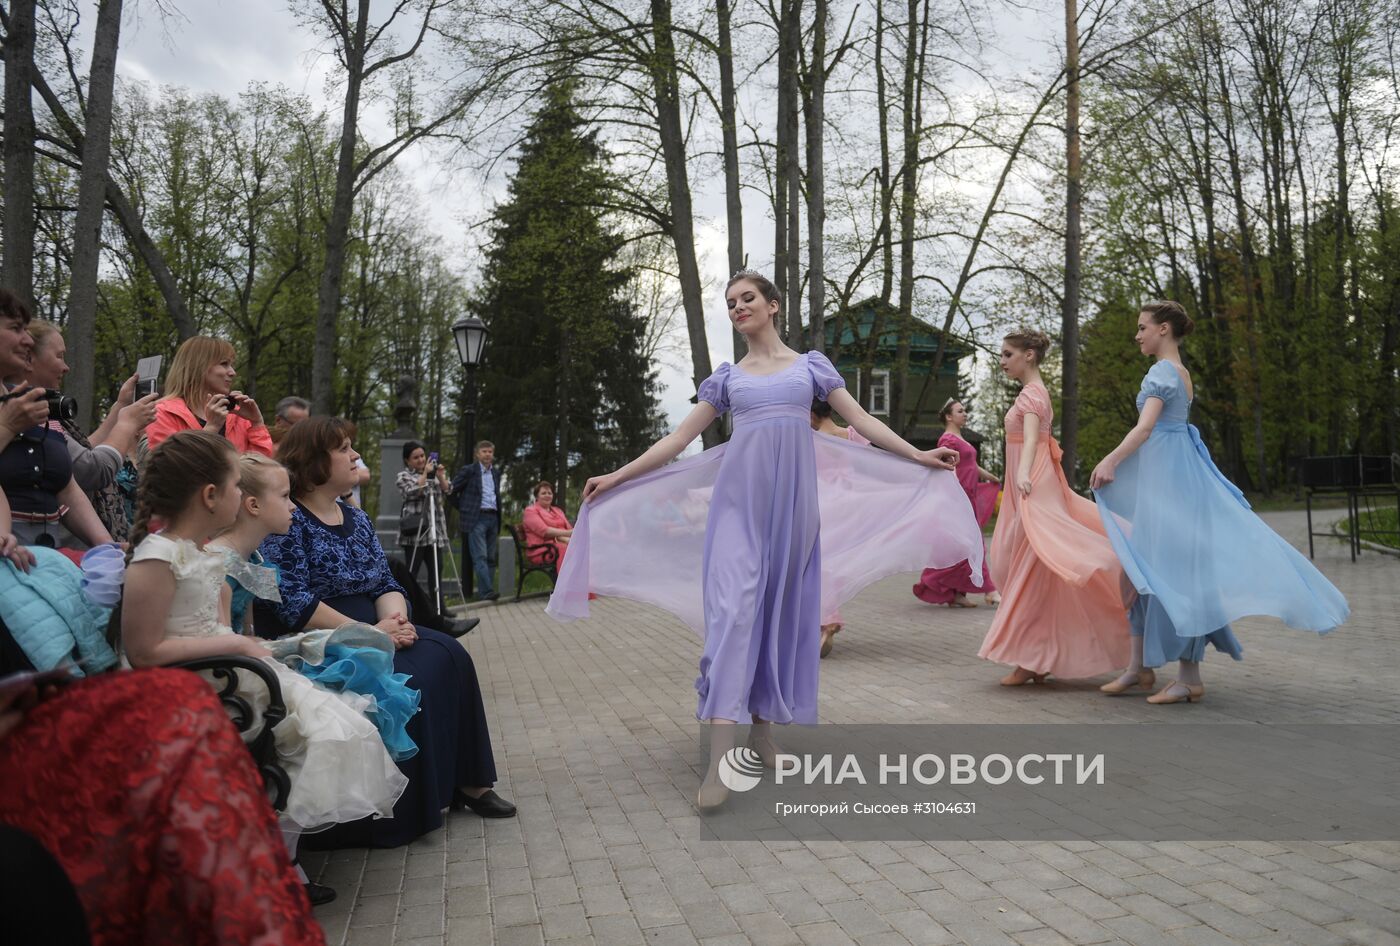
(746, 272)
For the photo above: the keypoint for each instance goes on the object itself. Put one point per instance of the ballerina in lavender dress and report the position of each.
(744, 517)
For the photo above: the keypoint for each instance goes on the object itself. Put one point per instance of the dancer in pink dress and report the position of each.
(951, 586)
(729, 540)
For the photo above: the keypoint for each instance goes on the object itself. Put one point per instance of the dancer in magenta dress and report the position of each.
(729, 540)
(951, 586)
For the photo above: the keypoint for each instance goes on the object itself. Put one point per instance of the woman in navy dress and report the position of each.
(333, 571)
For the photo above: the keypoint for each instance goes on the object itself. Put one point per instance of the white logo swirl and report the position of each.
(740, 769)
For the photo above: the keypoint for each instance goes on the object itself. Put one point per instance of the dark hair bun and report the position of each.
(1173, 314)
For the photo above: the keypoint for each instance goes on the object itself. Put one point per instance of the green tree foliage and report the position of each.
(567, 388)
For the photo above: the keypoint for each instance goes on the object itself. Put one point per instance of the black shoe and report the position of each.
(456, 628)
(489, 805)
(319, 894)
(490, 596)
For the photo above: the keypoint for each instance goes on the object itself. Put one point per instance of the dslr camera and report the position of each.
(61, 407)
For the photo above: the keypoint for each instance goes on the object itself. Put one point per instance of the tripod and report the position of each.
(428, 530)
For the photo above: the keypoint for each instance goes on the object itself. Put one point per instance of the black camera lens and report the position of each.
(61, 407)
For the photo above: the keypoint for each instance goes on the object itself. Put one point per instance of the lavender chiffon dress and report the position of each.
(780, 525)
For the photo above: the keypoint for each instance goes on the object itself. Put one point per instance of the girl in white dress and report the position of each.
(337, 763)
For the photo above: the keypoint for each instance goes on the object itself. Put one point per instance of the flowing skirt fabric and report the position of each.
(1198, 555)
(1064, 601)
(750, 543)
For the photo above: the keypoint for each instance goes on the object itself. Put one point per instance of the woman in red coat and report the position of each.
(199, 395)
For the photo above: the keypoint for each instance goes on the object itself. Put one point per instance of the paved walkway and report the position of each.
(597, 744)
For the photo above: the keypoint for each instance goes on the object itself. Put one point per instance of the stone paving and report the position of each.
(596, 742)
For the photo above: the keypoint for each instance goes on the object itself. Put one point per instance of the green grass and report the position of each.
(1383, 519)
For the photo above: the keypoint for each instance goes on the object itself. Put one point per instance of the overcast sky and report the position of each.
(221, 46)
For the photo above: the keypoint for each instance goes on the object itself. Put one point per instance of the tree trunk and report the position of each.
(127, 216)
(792, 302)
(1074, 199)
(17, 270)
(561, 460)
(787, 60)
(912, 127)
(733, 198)
(816, 180)
(338, 227)
(882, 104)
(92, 198)
(666, 89)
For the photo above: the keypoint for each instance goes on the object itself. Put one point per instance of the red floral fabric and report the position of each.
(141, 788)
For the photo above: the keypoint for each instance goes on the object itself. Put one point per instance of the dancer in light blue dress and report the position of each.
(1187, 539)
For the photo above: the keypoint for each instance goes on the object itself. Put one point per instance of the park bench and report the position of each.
(549, 564)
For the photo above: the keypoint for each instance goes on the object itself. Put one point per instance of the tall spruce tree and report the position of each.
(566, 391)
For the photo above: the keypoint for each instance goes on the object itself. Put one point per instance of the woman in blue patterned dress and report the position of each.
(1186, 537)
(333, 571)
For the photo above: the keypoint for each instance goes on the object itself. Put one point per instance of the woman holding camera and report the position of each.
(423, 476)
(97, 459)
(199, 395)
(36, 472)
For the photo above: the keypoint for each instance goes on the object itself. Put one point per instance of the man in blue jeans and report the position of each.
(477, 487)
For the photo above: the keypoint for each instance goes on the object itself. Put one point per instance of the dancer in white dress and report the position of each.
(337, 763)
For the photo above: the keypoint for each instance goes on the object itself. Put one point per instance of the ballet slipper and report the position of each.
(961, 602)
(712, 792)
(1021, 676)
(761, 741)
(993, 598)
(1141, 679)
(828, 632)
(1177, 692)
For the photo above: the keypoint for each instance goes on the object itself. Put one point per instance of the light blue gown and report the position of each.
(1188, 541)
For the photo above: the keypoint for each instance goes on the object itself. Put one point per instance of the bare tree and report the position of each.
(733, 199)
(1074, 207)
(17, 272)
(92, 199)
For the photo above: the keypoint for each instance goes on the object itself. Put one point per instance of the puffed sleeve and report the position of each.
(825, 377)
(1156, 383)
(1036, 400)
(714, 390)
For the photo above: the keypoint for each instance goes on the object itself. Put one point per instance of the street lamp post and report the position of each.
(470, 334)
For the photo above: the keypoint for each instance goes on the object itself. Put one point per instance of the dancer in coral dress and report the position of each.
(729, 540)
(951, 586)
(1063, 610)
(1198, 556)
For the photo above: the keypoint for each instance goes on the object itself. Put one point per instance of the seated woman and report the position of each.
(199, 395)
(141, 790)
(97, 458)
(333, 570)
(546, 527)
(36, 472)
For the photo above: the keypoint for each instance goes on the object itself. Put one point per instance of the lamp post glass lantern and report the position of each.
(470, 333)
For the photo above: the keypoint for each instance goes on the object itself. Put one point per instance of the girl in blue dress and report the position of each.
(1187, 539)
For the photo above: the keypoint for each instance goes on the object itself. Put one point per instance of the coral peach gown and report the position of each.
(1063, 609)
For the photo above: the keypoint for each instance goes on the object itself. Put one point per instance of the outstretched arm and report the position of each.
(658, 454)
(1103, 473)
(879, 434)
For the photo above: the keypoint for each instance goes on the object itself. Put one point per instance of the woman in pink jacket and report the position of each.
(546, 526)
(199, 395)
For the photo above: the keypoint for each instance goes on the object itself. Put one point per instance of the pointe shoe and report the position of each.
(962, 603)
(1144, 680)
(828, 632)
(1183, 692)
(1021, 676)
(993, 599)
(712, 794)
